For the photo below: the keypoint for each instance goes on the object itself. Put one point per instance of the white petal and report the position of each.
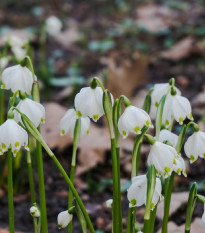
(166, 135)
(64, 218)
(191, 147)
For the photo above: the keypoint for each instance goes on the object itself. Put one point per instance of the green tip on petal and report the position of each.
(137, 129)
(17, 144)
(191, 117)
(133, 202)
(147, 123)
(167, 169)
(3, 146)
(124, 133)
(152, 206)
(59, 226)
(156, 104)
(95, 117)
(15, 152)
(42, 120)
(174, 161)
(192, 158)
(88, 131)
(79, 114)
(181, 120)
(204, 155)
(167, 123)
(3, 86)
(62, 132)
(178, 171)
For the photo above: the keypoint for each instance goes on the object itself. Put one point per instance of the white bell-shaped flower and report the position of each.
(17, 78)
(166, 135)
(12, 136)
(203, 219)
(67, 123)
(3, 63)
(132, 120)
(19, 52)
(14, 41)
(64, 218)
(137, 192)
(179, 165)
(34, 211)
(53, 25)
(178, 107)
(109, 203)
(33, 110)
(159, 90)
(195, 146)
(89, 102)
(162, 157)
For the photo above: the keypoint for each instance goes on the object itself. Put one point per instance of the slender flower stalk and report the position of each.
(10, 192)
(73, 164)
(39, 157)
(117, 209)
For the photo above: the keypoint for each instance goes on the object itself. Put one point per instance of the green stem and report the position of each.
(129, 221)
(30, 178)
(117, 211)
(10, 192)
(167, 200)
(31, 67)
(146, 226)
(1, 106)
(187, 231)
(41, 187)
(152, 219)
(70, 196)
(68, 181)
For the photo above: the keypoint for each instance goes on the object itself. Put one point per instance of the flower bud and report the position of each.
(109, 203)
(64, 218)
(34, 211)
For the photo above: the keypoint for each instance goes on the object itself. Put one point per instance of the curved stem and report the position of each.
(31, 67)
(10, 192)
(68, 181)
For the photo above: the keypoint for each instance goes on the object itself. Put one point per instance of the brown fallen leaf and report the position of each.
(184, 48)
(69, 36)
(7, 231)
(92, 148)
(196, 227)
(178, 199)
(155, 18)
(125, 74)
(50, 130)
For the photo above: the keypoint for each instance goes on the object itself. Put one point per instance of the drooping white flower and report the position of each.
(137, 192)
(162, 157)
(203, 219)
(53, 25)
(19, 52)
(17, 78)
(14, 41)
(132, 120)
(89, 102)
(34, 211)
(177, 107)
(67, 123)
(64, 218)
(33, 110)
(109, 203)
(12, 136)
(160, 89)
(179, 165)
(195, 146)
(166, 135)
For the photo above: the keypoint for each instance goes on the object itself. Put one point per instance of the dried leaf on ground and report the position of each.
(7, 231)
(50, 130)
(69, 36)
(195, 227)
(155, 18)
(125, 74)
(178, 199)
(184, 48)
(92, 149)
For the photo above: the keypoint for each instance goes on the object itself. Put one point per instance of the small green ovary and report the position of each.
(133, 202)
(95, 117)
(137, 129)
(167, 169)
(3, 146)
(17, 144)
(79, 114)
(62, 131)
